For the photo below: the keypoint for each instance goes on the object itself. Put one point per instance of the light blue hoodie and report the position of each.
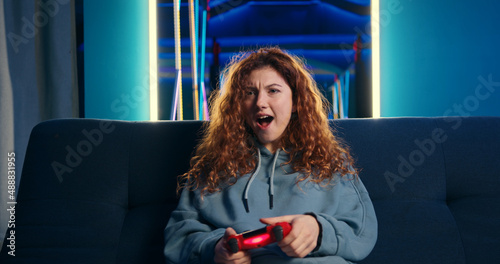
(344, 210)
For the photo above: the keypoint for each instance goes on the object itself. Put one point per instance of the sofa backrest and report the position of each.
(97, 191)
(435, 186)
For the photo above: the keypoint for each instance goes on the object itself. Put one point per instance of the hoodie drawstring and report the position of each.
(247, 187)
(271, 181)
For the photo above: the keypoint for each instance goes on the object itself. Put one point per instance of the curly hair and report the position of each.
(227, 151)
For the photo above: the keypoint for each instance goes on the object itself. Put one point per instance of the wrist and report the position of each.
(320, 233)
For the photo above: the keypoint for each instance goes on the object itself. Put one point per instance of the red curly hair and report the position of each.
(227, 152)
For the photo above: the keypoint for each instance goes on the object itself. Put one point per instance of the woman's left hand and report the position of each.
(303, 237)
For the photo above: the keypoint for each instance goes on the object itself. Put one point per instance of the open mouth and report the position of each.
(264, 121)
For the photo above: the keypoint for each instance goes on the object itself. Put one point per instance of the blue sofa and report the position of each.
(98, 191)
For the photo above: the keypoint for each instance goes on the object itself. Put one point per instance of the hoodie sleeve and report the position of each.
(351, 231)
(188, 238)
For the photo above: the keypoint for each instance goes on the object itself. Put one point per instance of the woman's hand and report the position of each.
(303, 237)
(222, 255)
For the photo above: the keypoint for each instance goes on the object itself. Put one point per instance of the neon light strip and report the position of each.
(347, 77)
(197, 21)
(153, 63)
(375, 29)
(175, 100)
(335, 100)
(197, 30)
(178, 67)
(340, 98)
(205, 103)
(203, 99)
(194, 58)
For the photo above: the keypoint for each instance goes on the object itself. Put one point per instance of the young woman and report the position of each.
(268, 156)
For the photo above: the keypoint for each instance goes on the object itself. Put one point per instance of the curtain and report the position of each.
(38, 79)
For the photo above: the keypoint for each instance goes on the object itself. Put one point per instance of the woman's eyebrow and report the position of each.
(273, 84)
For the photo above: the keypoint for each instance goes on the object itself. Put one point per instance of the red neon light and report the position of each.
(257, 240)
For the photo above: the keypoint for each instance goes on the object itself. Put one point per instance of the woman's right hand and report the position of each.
(223, 255)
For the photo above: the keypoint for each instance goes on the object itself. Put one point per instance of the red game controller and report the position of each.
(259, 237)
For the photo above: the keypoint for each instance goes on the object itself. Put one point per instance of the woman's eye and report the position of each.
(274, 91)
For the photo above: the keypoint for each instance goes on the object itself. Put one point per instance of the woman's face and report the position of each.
(268, 106)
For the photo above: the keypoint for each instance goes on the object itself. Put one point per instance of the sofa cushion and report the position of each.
(71, 202)
(472, 165)
(95, 191)
(161, 152)
(408, 189)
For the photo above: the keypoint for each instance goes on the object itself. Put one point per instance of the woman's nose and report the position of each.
(262, 101)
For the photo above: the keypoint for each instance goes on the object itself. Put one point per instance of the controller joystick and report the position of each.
(232, 244)
(278, 232)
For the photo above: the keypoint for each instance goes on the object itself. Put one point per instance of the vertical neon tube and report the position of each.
(347, 77)
(375, 31)
(178, 68)
(206, 115)
(340, 98)
(175, 99)
(194, 59)
(197, 30)
(335, 98)
(153, 63)
(203, 100)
